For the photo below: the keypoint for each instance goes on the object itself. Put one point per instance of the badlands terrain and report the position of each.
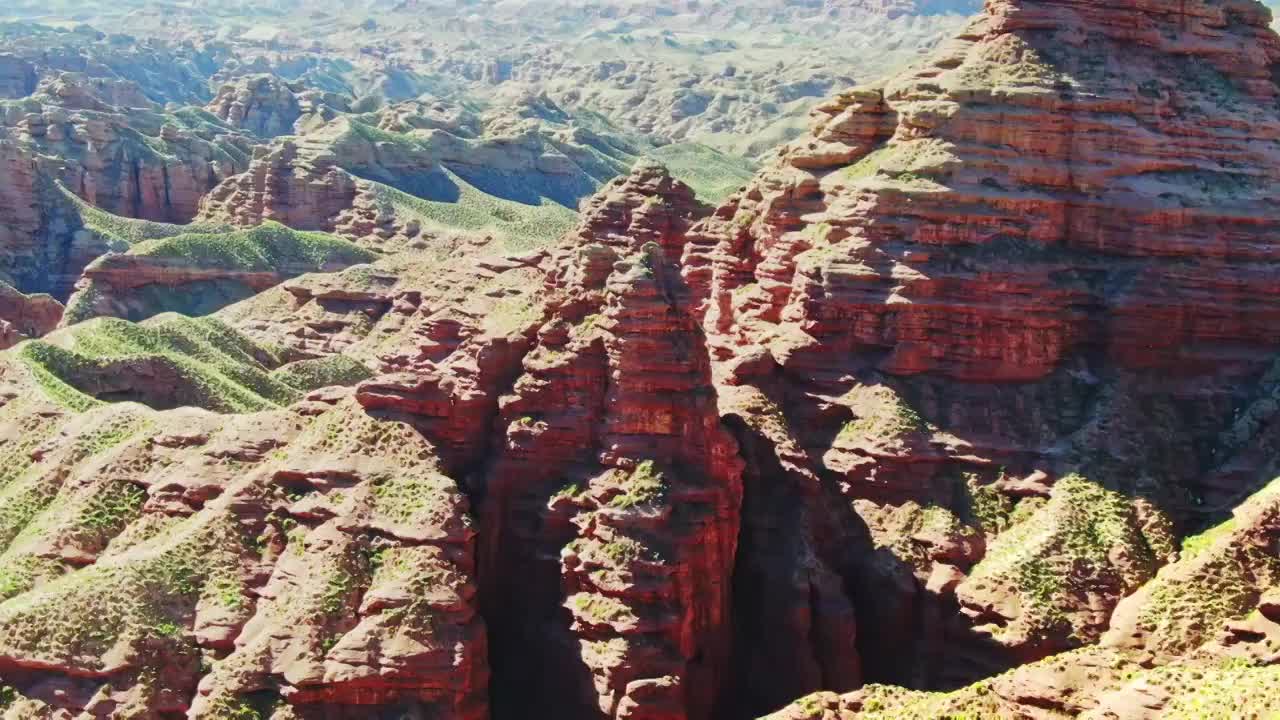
(702, 360)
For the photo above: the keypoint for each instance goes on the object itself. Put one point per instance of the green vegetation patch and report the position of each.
(520, 226)
(270, 247)
(212, 365)
(645, 485)
(414, 497)
(122, 232)
(713, 175)
(348, 430)
(1232, 689)
(1087, 541)
(1218, 578)
(896, 529)
(21, 432)
(911, 162)
(883, 414)
(513, 315)
(988, 508)
(885, 702)
(38, 507)
(316, 373)
(146, 597)
(600, 608)
(1193, 545)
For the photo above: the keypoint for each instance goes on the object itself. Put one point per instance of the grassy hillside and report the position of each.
(172, 361)
(266, 248)
(520, 225)
(713, 175)
(269, 248)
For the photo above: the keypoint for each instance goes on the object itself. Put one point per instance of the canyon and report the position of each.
(329, 390)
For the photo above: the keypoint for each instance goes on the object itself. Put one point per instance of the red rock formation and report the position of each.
(570, 386)
(613, 446)
(1048, 248)
(97, 151)
(135, 163)
(262, 104)
(25, 316)
(42, 232)
(306, 198)
(336, 176)
(235, 562)
(20, 215)
(159, 278)
(933, 397)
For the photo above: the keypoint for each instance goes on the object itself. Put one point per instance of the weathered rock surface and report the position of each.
(191, 563)
(267, 106)
(940, 399)
(126, 158)
(17, 77)
(264, 105)
(1203, 637)
(614, 455)
(25, 316)
(567, 389)
(306, 196)
(131, 160)
(1017, 307)
(44, 232)
(364, 182)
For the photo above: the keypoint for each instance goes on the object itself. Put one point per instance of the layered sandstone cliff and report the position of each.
(262, 104)
(71, 158)
(197, 273)
(1017, 307)
(122, 154)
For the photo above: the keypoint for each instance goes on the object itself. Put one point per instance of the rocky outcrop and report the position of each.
(42, 229)
(1201, 636)
(364, 182)
(20, 212)
(25, 316)
(284, 185)
(137, 163)
(1216, 594)
(262, 104)
(198, 273)
(569, 390)
(938, 400)
(569, 387)
(612, 500)
(163, 67)
(17, 77)
(255, 563)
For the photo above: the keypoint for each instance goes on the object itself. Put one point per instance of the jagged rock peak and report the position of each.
(645, 205)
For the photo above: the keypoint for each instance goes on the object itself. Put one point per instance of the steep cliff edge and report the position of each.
(1017, 307)
(71, 159)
